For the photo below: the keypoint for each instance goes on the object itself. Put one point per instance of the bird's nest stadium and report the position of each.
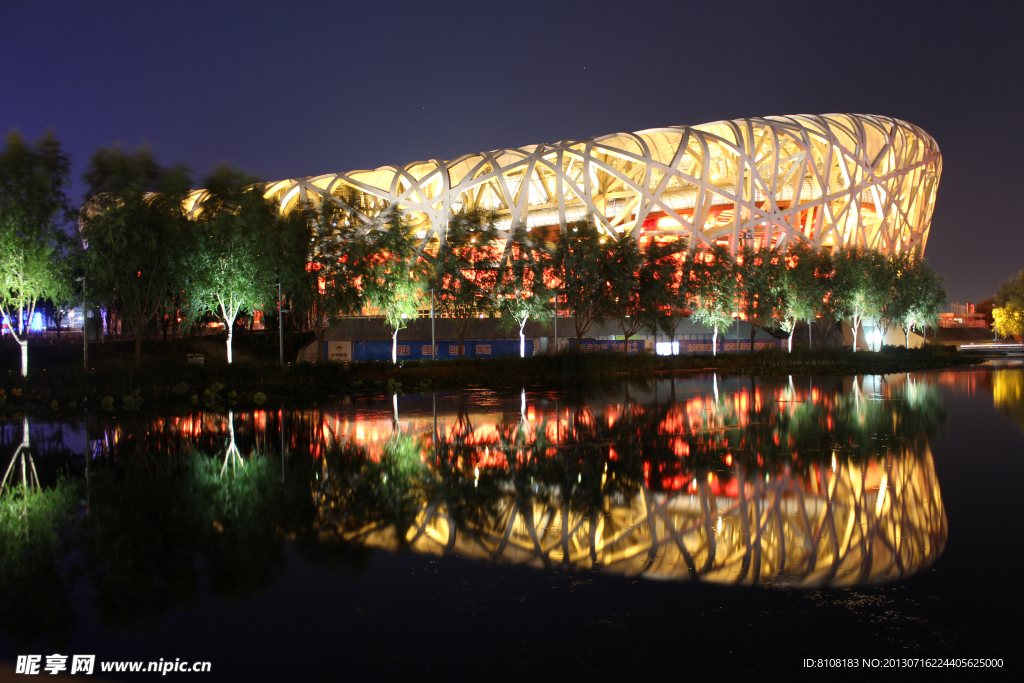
(831, 180)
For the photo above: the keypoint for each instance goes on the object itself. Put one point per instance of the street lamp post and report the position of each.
(433, 344)
(280, 325)
(85, 330)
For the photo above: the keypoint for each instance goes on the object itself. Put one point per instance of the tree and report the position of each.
(804, 292)
(463, 273)
(761, 287)
(1008, 311)
(667, 314)
(894, 292)
(1011, 291)
(581, 266)
(66, 294)
(1009, 320)
(393, 280)
(227, 265)
(922, 297)
(520, 291)
(854, 285)
(335, 265)
(134, 226)
(711, 285)
(640, 282)
(32, 206)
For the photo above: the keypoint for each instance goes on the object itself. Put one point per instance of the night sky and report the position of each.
(290, 89)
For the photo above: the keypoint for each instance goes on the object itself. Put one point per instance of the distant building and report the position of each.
(962, 315)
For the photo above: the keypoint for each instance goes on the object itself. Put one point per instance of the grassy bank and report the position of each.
(65, 386)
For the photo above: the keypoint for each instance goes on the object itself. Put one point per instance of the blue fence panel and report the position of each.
(732, 346)
(447, 349)
(608, 346)
(729, 345)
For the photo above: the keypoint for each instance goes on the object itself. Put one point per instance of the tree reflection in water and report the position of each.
(1008, 394)
(796, 483)
(826, 488)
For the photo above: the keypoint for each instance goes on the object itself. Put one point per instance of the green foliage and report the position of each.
(35, 587)
(581, 264)
(1011, 291)
(761, 278)
(135, 228)
(920, 294)
(520, 290)
(856, 287)
(226, 268)
(32, 207)
(337, 257)
(463, 273)
(711, 288)
(805, 282)
(641, 283)
(393, 278)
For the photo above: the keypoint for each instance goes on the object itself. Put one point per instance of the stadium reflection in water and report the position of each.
(823, 483)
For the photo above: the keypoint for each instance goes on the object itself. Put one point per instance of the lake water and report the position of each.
(672, 525)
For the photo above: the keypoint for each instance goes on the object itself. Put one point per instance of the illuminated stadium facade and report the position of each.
(832, 180)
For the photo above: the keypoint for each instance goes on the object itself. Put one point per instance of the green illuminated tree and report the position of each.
(67, 294)
(892, 291)
(32, 206)
(922, 297)
(335, 264)
(520, 291)
(227, 265)
(854, 285)
(463, 273)
(761, 287)
(641, 283)
(805, 288)
(711, 285)
(581, 265)
(393, 280)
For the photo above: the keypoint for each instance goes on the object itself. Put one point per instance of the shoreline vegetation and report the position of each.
(116, 386)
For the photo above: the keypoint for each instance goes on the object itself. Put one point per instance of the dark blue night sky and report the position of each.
(301, 88)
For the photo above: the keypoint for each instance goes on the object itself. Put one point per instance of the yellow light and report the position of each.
(669, 223)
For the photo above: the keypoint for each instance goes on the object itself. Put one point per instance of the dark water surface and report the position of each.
(664, 527)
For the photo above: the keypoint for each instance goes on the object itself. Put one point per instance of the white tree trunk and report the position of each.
(231, 332)
(24, 356)
(394, 347)
(855, 328)
(522, 340)
(790, 350)
(714, 342)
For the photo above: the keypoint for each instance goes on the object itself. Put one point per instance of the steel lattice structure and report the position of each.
(835, 179)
